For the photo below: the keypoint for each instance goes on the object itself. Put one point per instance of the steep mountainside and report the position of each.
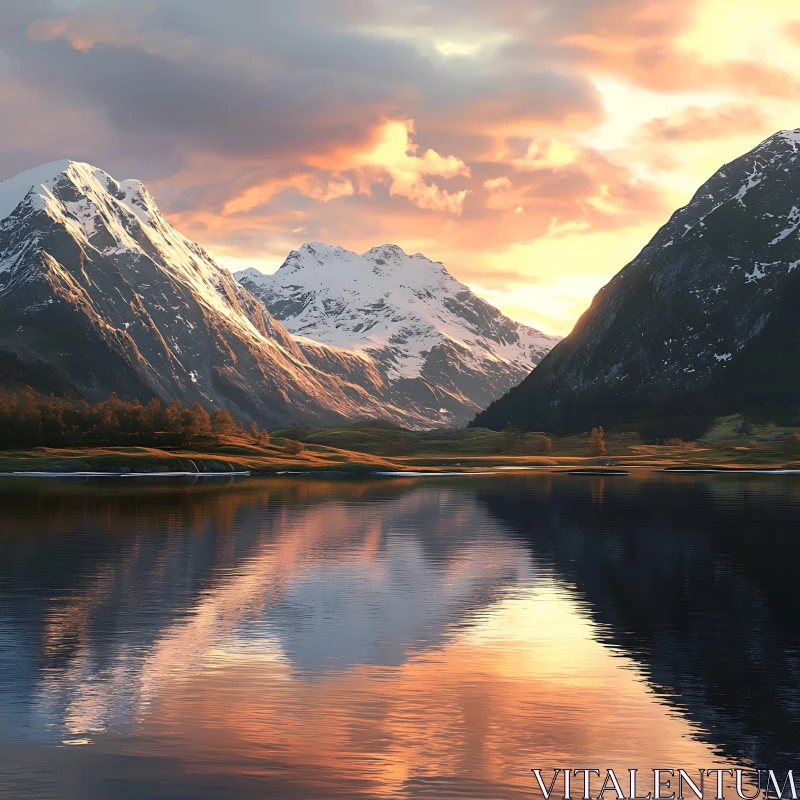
(702, 322)
(99, 294)
(436, 344)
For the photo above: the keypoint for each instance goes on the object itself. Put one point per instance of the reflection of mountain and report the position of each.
(695, 581)
(143, 591)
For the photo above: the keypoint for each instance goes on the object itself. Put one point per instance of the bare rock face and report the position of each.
(703, 322)
(439, 350)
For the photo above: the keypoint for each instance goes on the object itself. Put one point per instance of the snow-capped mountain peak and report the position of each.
(406, 313)
(115, 218)
(37, 186)
(99, 293)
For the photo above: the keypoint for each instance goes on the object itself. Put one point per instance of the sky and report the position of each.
(533, 146)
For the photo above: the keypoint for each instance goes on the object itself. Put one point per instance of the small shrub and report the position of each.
(542, 445)
(293, 447)
(513, 439)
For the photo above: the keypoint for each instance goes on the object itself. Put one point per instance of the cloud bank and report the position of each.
(532, 145)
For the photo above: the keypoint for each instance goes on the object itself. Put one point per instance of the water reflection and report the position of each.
(322, 584)
(318, 638)
(694, 579)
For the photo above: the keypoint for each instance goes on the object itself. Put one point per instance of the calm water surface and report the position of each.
(426, 638)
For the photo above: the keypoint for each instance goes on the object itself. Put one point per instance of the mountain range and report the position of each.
(100, 294)
(436, 344)
(702, 322)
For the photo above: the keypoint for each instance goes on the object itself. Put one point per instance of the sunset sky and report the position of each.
(534, 146)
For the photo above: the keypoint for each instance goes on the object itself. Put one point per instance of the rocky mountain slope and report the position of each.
(436, 345)
(99, 294)
(702, 322)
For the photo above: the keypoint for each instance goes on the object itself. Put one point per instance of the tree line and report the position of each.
(28, 419)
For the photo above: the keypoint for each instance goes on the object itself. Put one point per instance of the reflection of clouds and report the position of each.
(330, 585)
(526, 685)
(340, 613)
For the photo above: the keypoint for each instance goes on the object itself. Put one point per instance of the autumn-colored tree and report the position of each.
(597, 441)
(28, 420)
(223, 423)
(171, 417)
(29, 417)
(195, 422)
(293, 447)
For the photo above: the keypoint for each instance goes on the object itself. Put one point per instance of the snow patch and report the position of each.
(753, 180)
(793, 221)
(756, 275)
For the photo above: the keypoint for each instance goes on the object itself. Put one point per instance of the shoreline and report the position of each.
(440, 473)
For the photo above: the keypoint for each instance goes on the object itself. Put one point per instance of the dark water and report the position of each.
(314, 638)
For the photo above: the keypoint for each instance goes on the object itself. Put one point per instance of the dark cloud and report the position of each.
(256, 79)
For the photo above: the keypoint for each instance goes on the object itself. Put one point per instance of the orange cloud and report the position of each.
(391, 158)
(671, 48)
(311, 186)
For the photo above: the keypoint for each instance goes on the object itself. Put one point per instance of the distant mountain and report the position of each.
(703, 322)
(437, 346)
(99, 294)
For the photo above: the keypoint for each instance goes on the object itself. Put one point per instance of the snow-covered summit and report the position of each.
(405, 312)
(377, 299)
(113, 217)
(37, 185)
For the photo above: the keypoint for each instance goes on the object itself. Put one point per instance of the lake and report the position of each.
(437, 637)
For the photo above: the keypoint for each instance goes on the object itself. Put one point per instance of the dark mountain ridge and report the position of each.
(701, 323)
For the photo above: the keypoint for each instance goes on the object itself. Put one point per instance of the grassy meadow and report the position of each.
(376, 447)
